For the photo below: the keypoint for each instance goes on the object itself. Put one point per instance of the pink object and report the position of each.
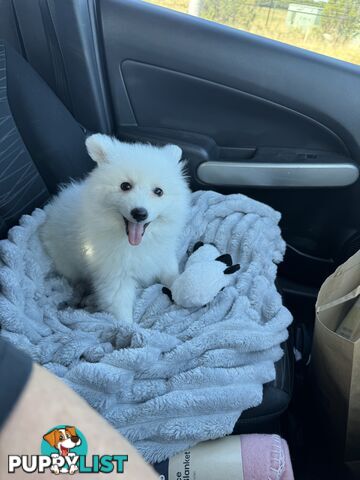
(265, 457)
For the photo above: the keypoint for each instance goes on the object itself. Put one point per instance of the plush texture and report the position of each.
(206, 273)
(176, 376)
(265, 456)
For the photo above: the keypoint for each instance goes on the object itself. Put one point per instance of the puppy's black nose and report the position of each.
(75, 438)
(139, 214)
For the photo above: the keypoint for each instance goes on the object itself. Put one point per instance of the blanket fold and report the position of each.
(176, 376)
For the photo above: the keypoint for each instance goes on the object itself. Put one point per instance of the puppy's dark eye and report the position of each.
(158, 192)
(126, 186)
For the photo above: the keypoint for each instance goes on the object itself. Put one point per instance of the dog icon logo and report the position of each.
(64, 449)
(62, 440)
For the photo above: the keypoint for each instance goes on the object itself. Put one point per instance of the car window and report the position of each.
(330, 27)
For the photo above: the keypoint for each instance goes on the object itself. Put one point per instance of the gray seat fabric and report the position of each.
(41, 144)
(21, 186)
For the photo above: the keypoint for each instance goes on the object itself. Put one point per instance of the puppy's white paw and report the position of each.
(124, 319)
(121, 314)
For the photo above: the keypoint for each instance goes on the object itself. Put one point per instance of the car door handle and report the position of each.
(278, 175)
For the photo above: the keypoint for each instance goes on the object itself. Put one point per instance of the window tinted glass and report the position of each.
(330, 27)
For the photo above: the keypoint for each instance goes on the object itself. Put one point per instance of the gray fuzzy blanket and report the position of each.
(176, 376)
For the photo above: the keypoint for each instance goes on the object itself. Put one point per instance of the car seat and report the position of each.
(41, 147)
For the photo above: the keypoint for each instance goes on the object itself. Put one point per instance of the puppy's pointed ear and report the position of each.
(99, 147)
(174, 152)
(50, 438)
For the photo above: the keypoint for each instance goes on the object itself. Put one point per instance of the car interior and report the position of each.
(253, 116)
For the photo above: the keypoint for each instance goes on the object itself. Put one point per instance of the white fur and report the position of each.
(85, 232)
(202, 279)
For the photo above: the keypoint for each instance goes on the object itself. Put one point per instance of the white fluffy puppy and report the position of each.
(119, 228)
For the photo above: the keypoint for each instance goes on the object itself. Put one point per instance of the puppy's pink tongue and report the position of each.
(135, 233)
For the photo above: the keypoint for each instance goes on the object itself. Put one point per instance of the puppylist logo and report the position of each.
(63, 450)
